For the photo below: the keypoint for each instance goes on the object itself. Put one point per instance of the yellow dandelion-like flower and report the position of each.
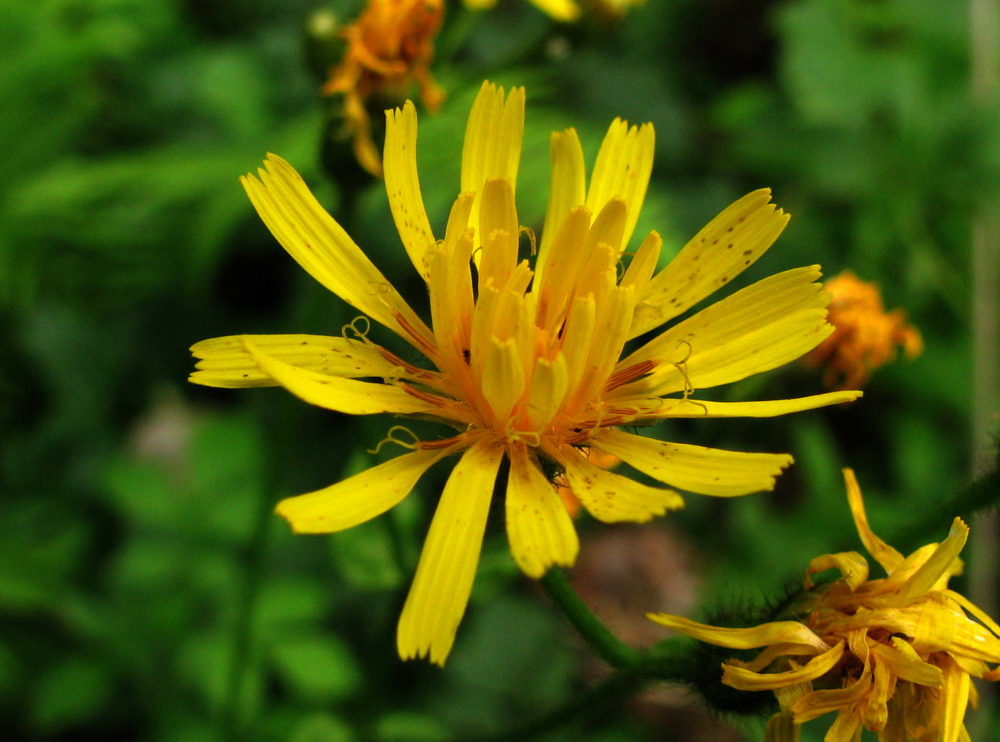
(389, 47)
(525, 363)
(894, 655)
(865, 335)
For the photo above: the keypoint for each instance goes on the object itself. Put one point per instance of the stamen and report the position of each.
(531, 238)
(430, 350)
(533, 437)
(704, 407)
(681, 366)
(411, 370)
(389, 438)
(353, 325)
(440, 444)
(425, 396)
(631, 373)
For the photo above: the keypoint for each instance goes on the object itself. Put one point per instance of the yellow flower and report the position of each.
(526, 363)
(389, 47)
(561, 10)
(866, 336)
(567, 11)
(894, 655)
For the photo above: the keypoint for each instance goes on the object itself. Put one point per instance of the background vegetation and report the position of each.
(146, 590)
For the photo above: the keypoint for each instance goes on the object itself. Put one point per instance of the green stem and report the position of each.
(608, 646)
(634, 669)
(232, 724)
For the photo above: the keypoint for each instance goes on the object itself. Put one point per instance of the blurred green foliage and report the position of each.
(136, 510)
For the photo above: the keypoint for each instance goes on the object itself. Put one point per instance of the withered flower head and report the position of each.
(894, 655)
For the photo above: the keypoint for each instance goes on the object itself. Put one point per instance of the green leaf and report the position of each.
(407, 726)
(318, 668)
(290, 600)
(321, 728)
(364, 555)
(70, 694)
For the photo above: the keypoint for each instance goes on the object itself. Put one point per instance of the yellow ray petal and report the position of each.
(781, 727)
(622, 170)
(851, 565)
(451, 298)
(641, 268)
(716, 255)
(772, 652)
(540, 530)
(846, 727)
(937, 565)
(548, 390)
(578, 337)
(567, 189)
(566, 11)
(979, 614)
(343, 395)
(608, 338)
(764, 408)
(761, 327)
(561, 264)
(875, 709)
(225, 362)
(822, 702)
(610, 497)
(884, 554)
(441, 587)
(359, 498)
(955, 699)
(402, 185)
(503, 377)
(324, 249)
(707, 471)
(775, 632)
(498, 222)
(742, 679)
(906, 664)
(481, 339)
(609, 228)
(492, 146)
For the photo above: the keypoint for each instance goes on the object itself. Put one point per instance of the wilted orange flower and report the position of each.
(866, 336)
(389, 47)
(894, 655)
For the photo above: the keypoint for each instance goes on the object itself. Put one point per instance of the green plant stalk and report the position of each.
(231, 722)
(608, 646)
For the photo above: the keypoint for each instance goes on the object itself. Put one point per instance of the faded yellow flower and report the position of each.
(523, 361)
(894, 655)
(865, 335)
(389, 47)
(609, 11)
